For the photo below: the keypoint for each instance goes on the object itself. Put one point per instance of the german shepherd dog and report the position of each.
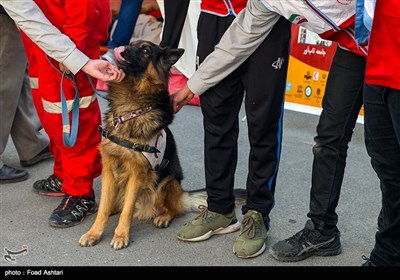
(141, 175)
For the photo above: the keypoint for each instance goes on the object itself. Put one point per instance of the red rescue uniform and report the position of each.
(86, 22)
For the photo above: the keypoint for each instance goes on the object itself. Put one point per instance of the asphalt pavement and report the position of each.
(25, 233)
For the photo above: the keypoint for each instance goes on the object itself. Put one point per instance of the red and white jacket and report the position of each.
(383, 57)
(331, 19)
(222, 7)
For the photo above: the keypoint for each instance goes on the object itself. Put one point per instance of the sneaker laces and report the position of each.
(249, 226)
(204, 214)
(68, 203)
(71, 204)
(367, 260)
(298, 237)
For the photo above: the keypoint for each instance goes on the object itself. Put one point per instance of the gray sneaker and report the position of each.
(307, 242)
(207, 224)
(251, 241)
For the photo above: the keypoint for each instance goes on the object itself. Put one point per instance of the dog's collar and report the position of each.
(128, 116)
(128, 144)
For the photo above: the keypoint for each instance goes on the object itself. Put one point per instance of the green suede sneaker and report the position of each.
(207, 224)
(251, 241)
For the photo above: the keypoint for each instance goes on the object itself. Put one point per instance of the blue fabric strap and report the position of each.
(69, 138)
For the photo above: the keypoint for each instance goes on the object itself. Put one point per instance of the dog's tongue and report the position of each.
(117, 53)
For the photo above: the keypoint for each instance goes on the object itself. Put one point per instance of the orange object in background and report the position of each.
(309, 63)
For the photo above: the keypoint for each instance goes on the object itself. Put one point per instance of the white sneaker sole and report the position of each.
(259, 252)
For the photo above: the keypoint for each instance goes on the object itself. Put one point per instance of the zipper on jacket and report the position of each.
(321, 15)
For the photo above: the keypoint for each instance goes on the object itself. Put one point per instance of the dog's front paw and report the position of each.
(89, 240)
(119, 242)
(162, 221)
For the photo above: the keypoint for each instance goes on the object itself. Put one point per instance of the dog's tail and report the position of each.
(193, 199)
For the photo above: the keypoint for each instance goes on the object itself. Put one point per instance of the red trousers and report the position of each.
(76, 166)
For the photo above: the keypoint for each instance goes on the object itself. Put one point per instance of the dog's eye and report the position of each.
(145, 50)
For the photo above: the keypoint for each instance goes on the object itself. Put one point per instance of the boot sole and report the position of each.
(321, 253)
(259, 252)
(27, 163)
(14, 180)
(52, 194)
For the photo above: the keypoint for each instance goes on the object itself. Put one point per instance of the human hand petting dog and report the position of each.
(181, 98)
(100, 70)
(103, 70)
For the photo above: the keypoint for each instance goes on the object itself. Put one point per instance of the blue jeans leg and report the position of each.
(128, 15)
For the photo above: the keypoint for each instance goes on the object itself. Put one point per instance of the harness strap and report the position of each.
(128, 116)
(128, 144)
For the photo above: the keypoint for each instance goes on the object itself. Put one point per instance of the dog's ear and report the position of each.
(171, 56)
